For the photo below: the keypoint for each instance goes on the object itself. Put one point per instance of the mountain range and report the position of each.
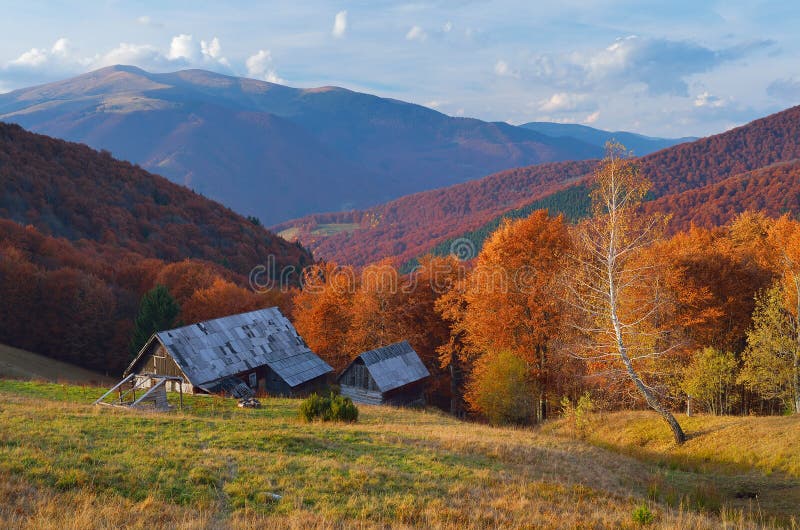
(639, 144)
(705, 182)
(276, 152)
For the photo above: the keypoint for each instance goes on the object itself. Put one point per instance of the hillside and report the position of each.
(83, 236)
(21, 364)
(71, 191)
(407, 227)
(640, 145)
(213, 465)
(689, 181)
(273, 151)
(774, 189)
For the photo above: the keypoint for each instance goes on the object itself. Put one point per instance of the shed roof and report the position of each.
(214, 349)
(394, 366)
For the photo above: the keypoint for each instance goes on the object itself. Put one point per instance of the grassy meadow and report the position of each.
(67, 464)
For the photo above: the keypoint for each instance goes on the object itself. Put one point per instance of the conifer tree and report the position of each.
(158, 311)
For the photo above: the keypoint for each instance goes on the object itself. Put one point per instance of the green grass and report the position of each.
(64, 462)
(322, 230)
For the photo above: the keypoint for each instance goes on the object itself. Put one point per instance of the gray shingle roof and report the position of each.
(394, 366)
(208, 351)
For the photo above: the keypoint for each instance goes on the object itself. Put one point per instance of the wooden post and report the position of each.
(180, 389)
(115, 387)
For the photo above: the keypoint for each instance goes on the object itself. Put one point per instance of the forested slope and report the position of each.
(83, 236)
(690, 181)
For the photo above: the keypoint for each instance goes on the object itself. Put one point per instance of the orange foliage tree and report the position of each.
(323, 311)
(512, 299)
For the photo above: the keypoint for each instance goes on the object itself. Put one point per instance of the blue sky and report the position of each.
(662, 68)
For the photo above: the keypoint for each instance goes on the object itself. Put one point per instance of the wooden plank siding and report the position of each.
(158, 361)
(362, 395)
(357, 383)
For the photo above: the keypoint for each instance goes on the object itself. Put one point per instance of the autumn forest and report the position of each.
(509, 329)
(612, 306)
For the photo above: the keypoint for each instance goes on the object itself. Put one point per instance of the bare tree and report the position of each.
(615, 291)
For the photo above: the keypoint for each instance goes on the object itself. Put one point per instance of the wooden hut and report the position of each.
(237, 355)
(392, 375)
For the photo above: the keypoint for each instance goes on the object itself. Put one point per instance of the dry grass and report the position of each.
(728, 460)
(66, 464)
(729, 444)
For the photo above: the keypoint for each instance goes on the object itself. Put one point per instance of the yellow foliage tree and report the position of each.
(501, 390)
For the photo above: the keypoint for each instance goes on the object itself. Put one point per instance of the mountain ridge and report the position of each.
(331, 148)
(71, 191)
(639, 144)
(676, 170)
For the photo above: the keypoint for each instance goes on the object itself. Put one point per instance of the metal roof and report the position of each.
(214, 349)
(394, 366)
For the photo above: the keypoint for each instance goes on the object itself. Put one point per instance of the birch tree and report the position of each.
(618, 299)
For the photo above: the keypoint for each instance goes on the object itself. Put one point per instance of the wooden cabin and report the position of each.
(238, 355)
(392, 375)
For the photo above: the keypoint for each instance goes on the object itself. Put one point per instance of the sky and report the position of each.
(679, 68)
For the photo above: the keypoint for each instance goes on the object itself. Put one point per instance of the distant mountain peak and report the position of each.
(640, 144)
(273, 151)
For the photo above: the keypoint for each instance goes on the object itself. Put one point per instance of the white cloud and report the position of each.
(182, 47)
(565, 101)
(43, 64)
(709, 100)
(211, 49)
(416, 33)
(662, 66)
(31, 58)
(143, 55)
(591, 118)
(503, 69)
(448, 27)
(259, 66)
(61, 47)
(339, 24)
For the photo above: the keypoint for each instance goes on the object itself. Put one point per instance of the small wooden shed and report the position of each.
(392, 375)
(237, 355)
